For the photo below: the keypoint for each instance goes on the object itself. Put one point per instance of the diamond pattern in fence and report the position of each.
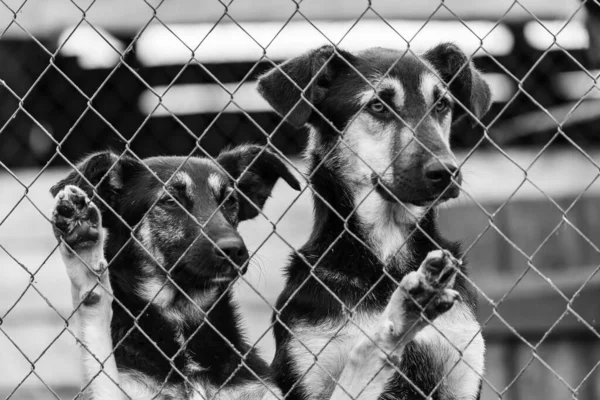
(156, 78)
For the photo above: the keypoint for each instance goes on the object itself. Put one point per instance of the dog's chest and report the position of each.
(247, 391)
(452, 334)
(191, 366)
(140, 387)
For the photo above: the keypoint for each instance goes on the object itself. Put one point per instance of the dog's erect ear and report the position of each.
(100, 175)
(256, 171)
(311, 73)
(466, 83)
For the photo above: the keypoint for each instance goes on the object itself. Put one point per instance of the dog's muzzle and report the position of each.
(436, 184)
(443, 179)
(233, 256)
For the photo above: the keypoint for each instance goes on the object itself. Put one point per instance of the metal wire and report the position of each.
(350, 312)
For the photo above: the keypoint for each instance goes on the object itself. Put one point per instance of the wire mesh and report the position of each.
(536, 236)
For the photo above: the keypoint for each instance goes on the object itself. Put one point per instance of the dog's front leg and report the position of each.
(77, 225)
(422, 296)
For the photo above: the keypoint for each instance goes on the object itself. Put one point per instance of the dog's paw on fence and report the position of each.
(77, 225)
(422, 296)
(430, 287)
(75, 218)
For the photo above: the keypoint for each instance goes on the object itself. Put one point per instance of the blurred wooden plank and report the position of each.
(40, 392)
(468, 224)
(533, 307)
(46, 17)
(538, 230)
(555, 373)
(536, 227)
(592, 383)
(496, 371)
(587, 215)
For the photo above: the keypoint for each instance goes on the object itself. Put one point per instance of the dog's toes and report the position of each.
(75, 219)
(440, 268)
(441, 303)
(428, 291)
(83, 232)
(62, 216)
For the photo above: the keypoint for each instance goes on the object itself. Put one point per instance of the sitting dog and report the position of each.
(167, 226)
(379, 159)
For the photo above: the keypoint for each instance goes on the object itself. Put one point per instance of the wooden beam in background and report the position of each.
(47, 17)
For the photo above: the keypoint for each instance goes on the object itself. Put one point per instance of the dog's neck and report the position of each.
(185, 326)
(138, 273)
(182, 326)
(385, 227)
(177, 305)
(388, 225)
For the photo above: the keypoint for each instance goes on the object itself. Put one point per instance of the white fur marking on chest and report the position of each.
(198, 392)
(385, 237)
(385, 222)
(253, 390)
(330, 346)
(458, 326)
(138, 386)
(455, 331)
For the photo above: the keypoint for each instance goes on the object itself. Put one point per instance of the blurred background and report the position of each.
(159, 78)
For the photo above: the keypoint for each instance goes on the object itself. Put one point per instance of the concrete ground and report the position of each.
(35, 341)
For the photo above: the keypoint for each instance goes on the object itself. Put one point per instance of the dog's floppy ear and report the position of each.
(466, 83)
(311, 73)
(100, 175)
(256, 170)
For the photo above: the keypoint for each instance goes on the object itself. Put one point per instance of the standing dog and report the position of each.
(167, 225)
(379, 159)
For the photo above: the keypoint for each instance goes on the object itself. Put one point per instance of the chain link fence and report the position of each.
(147, 78)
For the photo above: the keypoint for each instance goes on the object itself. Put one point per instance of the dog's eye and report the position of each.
(228, 198)
(377, 107)
(168, 201)
(441, 106)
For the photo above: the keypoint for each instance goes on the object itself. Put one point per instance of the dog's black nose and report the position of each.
(440, 173)
(231, 247)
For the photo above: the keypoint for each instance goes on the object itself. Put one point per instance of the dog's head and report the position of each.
(184, 212)
(392, 109)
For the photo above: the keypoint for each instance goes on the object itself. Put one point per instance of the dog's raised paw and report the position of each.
(75, 218)
(439, 268)
(429, 289)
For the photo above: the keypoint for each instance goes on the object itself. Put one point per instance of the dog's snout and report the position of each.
(440, 173)
(232, 248)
